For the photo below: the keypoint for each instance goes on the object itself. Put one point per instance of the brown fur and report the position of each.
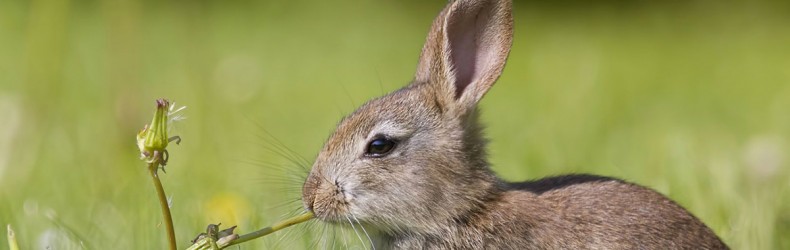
(435, 189)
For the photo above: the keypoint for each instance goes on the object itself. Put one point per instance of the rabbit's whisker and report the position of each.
(290, 158)
(273, 145)
(280, 239)
(279, 144)
(334, 238)
(288, 203)
(364, 231)
(316, 233)
(355, 230)
(322, 237)
(345, 237)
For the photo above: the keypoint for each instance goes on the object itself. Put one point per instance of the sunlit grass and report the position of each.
(688, 98)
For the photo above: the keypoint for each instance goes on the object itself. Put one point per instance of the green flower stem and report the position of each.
(12, 245)
(160, 191)
(274, 228)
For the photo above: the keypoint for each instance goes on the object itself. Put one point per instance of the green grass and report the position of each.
(689, 98)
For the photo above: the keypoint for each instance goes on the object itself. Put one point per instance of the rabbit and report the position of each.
(411, 168)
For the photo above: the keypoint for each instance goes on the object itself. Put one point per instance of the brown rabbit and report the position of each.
(411, 166)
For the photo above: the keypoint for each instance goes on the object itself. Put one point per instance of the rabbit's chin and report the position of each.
(332, 215)
(344, 217)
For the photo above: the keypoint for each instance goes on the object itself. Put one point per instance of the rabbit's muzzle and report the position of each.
(326, 198)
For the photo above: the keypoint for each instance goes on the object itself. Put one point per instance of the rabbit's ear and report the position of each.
(466, 50)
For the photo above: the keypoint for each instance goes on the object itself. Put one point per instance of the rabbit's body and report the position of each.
(411, 166)
(568, 212)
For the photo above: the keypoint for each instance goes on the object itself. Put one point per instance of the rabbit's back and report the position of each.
(588, 211)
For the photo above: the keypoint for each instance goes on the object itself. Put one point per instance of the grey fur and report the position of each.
(435, 190)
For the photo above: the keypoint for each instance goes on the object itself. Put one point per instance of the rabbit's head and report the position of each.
(415, 158)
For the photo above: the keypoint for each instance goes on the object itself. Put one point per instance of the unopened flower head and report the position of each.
(153, 139)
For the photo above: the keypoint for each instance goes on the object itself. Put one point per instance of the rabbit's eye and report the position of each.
(379, 147)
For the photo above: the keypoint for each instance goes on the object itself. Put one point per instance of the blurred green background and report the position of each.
(690, 98)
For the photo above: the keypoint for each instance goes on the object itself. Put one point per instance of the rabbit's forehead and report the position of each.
(390, 128)
(380, 121)
(392, 113)
(397, 114)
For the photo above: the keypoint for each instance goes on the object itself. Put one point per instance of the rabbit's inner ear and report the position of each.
(460, 32)
(478, 35)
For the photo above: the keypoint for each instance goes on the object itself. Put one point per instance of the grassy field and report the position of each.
(691, 98)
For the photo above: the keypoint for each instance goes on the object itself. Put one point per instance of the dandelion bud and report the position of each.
(153, 139)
